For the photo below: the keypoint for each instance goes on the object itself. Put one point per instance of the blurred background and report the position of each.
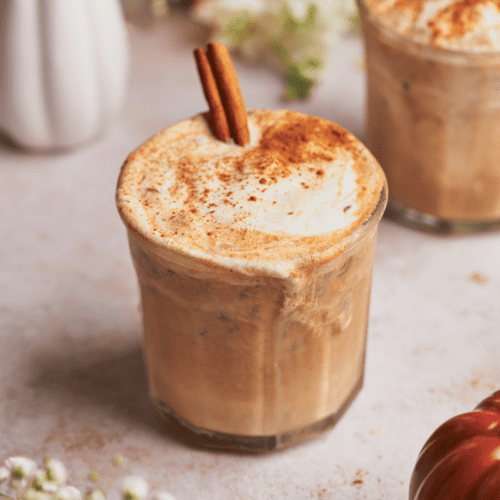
(72, 380)
(294, 36)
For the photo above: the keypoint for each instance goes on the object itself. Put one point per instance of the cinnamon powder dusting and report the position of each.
(294, 142)
(458, 24)
(200, 192)
(456, 19)
(412, 8)
(282, 151)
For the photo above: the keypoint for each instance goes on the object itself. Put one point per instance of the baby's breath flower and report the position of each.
(18, 484)
(41, 483)
(134, 488)
(47, 483)
(97, 494)
(68, 493)
(4, 474)
(20, 467)
(39, 480)
(94, 476)
(56, 471)
(34, 494)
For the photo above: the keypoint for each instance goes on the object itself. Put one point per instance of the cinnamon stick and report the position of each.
(229, 91)
(218, 118)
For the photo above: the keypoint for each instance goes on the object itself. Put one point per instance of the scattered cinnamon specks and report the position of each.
(456, 19)
(358, 479)
(322, 493)
(478, 278)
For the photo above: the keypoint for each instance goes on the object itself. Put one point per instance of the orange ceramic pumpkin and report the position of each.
(461, 460)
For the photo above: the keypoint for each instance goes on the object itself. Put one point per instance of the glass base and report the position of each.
(427, 222)
(202, 438)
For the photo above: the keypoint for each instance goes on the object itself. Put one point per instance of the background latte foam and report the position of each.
(472, 25)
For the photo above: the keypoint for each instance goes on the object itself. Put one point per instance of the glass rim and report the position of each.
(433, 50)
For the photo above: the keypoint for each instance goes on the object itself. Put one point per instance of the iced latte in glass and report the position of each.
(433, 109)
(254, 265)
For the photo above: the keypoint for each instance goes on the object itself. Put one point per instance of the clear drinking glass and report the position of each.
(253, 348)
(433, 122)
(232, 359)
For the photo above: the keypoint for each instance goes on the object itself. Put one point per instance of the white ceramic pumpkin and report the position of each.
(63, 69)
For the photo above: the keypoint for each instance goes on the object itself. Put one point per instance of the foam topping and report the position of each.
(301, 181)
(468, 25)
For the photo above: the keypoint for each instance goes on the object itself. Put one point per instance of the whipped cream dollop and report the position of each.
(302, 185)
(464, 25)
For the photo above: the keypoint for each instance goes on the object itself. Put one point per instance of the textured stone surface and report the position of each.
(71, 375)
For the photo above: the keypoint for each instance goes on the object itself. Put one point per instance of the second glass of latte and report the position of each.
(433, 109)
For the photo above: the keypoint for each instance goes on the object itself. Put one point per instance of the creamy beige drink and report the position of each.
(433, 110)
(255, 267)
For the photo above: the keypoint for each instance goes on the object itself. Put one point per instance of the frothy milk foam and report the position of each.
(299, 177)
(449, 24)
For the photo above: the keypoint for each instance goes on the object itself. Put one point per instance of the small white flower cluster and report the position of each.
(296, 35)
(21, 479)
(136, 488)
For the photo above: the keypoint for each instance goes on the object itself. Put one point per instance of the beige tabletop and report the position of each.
(72, 381)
